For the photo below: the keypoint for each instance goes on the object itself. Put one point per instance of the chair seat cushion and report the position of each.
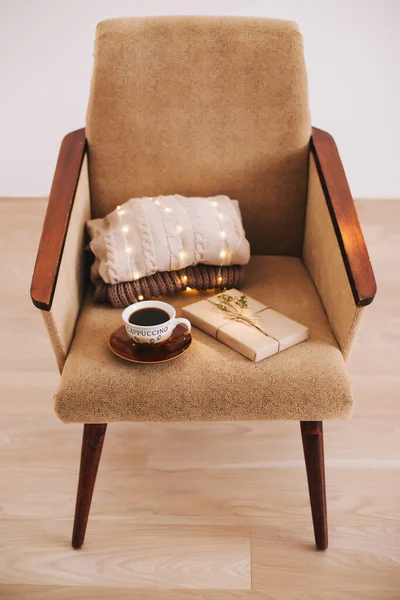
(211, 382)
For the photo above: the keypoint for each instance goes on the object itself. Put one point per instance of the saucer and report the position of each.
(123, 346)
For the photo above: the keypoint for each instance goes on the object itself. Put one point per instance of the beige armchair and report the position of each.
(204, 106)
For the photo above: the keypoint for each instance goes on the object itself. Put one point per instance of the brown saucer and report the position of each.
(124, 347)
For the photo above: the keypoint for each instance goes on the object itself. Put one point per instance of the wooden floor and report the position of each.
(210, 511)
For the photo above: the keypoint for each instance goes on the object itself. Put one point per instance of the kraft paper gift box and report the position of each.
(278, 332)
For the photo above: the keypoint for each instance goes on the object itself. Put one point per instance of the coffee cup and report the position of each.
(151, 322)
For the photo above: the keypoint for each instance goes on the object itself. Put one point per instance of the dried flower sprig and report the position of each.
(233, 307)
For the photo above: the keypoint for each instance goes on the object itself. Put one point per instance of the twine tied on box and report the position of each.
(233, 307)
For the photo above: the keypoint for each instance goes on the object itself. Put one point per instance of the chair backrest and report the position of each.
(202, 106)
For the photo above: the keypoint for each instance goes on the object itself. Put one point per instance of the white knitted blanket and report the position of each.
(166, 233)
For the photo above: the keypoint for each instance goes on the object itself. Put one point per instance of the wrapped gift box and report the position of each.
(277, 331)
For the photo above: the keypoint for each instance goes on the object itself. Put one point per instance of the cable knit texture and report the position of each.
(198, 235)
(201, 277)
(167, 233)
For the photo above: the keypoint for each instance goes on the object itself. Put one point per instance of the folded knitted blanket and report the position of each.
(200, 277)
(167, 233)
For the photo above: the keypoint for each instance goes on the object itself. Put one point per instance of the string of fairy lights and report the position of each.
(224, 253)
(128, 249)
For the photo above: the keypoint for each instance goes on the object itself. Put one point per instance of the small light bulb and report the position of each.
(222, 254)
(219, 279)
(188, 289)
(222, 234)
(136, 275)
(118, 207)
(121, 212)
(150, 197)
(179, 228)
(182, 255)
(168, 209)
(214, 203)
(125, 228)
(129, 250)
(157, 202)
(140, 297)
(184, 278)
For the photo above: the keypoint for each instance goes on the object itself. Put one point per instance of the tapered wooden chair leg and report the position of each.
(313, 445)
(92, 444)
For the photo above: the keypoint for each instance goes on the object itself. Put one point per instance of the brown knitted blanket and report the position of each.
(200, 277)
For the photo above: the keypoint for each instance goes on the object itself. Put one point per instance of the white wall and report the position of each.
(352, 54)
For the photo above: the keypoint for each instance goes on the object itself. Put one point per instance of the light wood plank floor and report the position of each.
(213, 511)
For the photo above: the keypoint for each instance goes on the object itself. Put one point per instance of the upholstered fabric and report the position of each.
(149, 235)
(205, 106)
(200, 277)
(323, 259)
(201, 106)
(71, 282)
(211, 381)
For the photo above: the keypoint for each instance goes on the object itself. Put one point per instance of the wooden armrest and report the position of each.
(57, 217)
(344, 217)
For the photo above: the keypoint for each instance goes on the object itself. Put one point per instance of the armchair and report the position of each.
(209, 105)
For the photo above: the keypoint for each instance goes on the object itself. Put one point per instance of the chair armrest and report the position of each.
(334, 250)
(344, 217)
(60, 275)
(57, 218)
